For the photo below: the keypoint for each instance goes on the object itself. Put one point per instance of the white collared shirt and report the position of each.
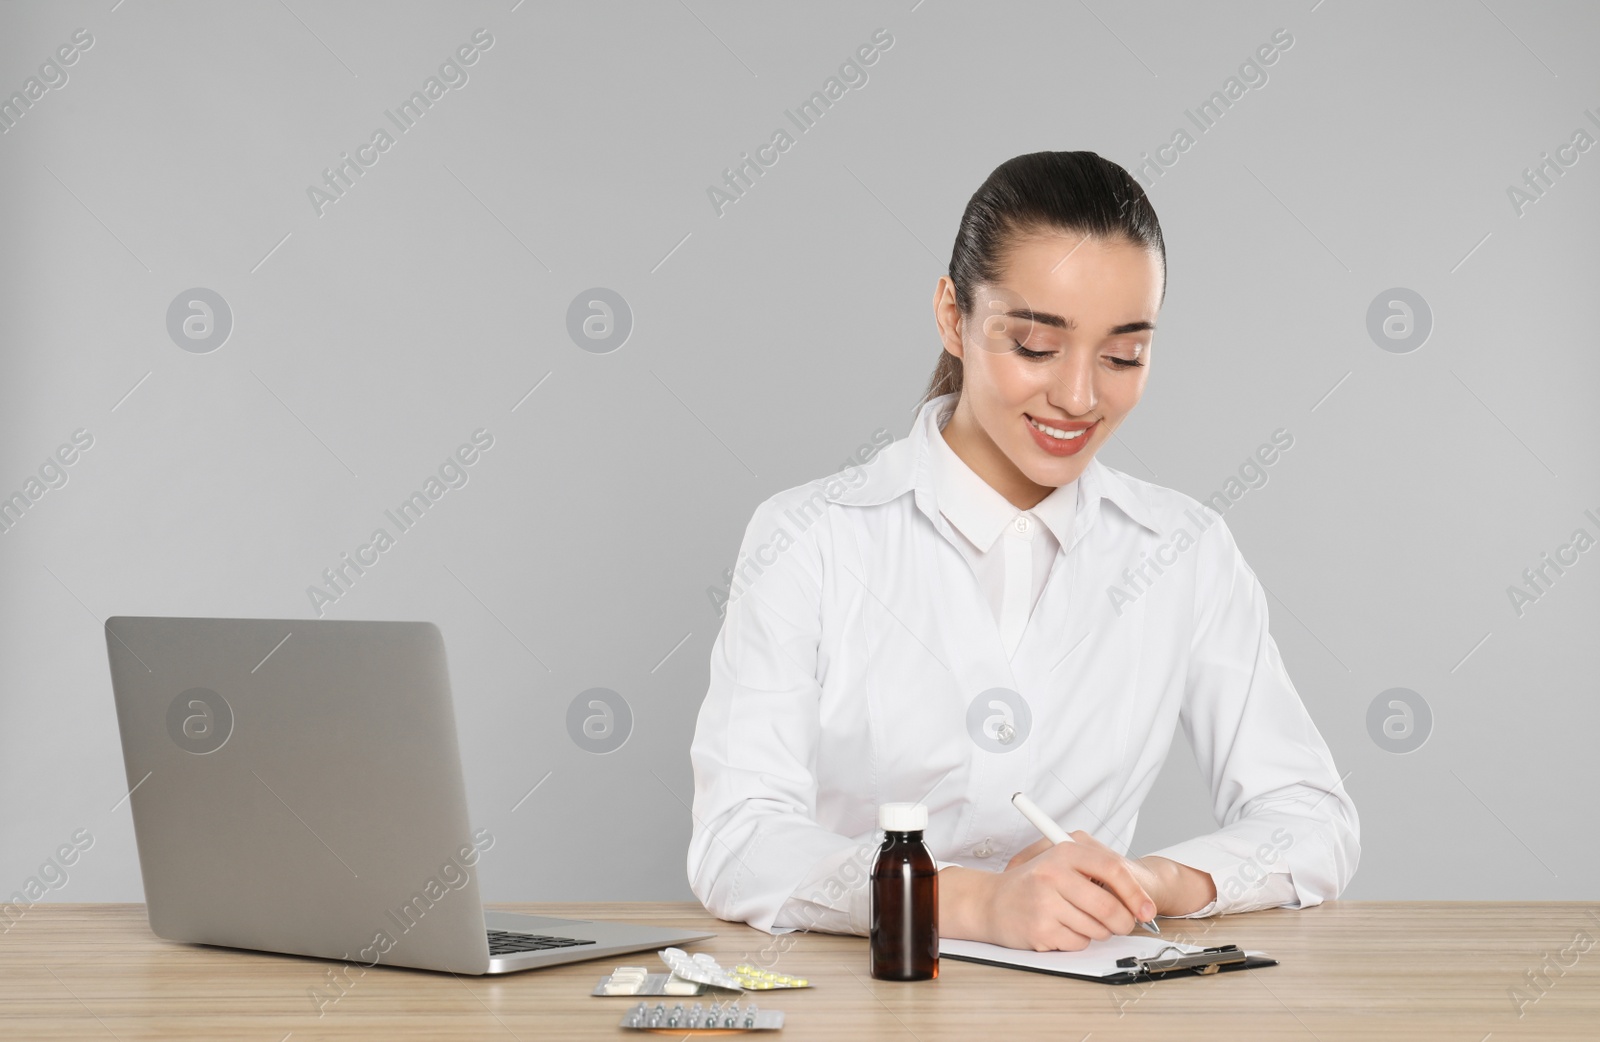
(860, 662)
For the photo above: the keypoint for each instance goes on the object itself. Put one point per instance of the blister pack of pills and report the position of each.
(714, 1018)
(634, 980)
(752, 978)
(744, 977)
(701, 968)
(692, 975)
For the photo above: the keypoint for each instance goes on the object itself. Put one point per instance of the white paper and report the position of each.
(1097, 960)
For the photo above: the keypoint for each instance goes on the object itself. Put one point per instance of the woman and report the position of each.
(985, 608)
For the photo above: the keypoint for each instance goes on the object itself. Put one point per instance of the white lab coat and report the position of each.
(857, 665)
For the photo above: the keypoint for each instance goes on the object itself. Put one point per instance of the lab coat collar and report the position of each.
(977, 509)
(907, 466)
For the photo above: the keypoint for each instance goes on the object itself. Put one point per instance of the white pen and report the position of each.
(1056, 834)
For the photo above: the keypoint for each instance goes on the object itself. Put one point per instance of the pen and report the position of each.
(1055, 834)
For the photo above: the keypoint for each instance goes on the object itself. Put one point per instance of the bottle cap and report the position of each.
(902, 817)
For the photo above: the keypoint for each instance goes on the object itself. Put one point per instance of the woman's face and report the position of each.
(1062, 341)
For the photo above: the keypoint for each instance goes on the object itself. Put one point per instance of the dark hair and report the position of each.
(1078, 192)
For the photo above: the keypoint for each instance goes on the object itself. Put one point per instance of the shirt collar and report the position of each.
(976, 508)
(908, 466)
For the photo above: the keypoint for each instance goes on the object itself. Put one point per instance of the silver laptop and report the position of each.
(296, 787)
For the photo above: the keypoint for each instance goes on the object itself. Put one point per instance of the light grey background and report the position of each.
(768, 344)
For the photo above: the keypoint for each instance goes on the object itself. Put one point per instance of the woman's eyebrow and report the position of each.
(1045, 318)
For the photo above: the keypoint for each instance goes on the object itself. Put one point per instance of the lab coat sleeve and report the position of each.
(756, 851)
(1289, 833)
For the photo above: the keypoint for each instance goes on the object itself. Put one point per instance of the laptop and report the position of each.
(296, 787)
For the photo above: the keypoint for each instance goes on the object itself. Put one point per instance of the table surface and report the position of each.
(1347, 970)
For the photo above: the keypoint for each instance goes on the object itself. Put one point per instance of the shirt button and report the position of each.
(1022, 523)
(983, 849)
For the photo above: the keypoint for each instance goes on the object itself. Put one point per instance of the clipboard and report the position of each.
(1116, 960)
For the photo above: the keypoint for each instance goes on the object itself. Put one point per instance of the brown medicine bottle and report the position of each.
(905, 898)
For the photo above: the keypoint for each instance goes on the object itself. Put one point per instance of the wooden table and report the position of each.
(1348, 970)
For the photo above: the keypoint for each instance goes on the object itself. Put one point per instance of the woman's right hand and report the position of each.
(1050, 900)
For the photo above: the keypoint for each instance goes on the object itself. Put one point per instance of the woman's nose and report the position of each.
(1073, 390)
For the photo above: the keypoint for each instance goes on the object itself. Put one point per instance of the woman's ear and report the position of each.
(947, 315)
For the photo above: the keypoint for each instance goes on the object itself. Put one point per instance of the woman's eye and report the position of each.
(1120, 363)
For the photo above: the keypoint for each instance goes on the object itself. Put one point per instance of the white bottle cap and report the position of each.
(902, 817)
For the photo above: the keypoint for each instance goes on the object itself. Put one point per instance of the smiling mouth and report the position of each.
(1065, 432)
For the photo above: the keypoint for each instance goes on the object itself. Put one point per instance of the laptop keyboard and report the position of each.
(504, 942)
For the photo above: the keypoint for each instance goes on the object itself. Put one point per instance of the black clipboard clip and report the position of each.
(1204, 962)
